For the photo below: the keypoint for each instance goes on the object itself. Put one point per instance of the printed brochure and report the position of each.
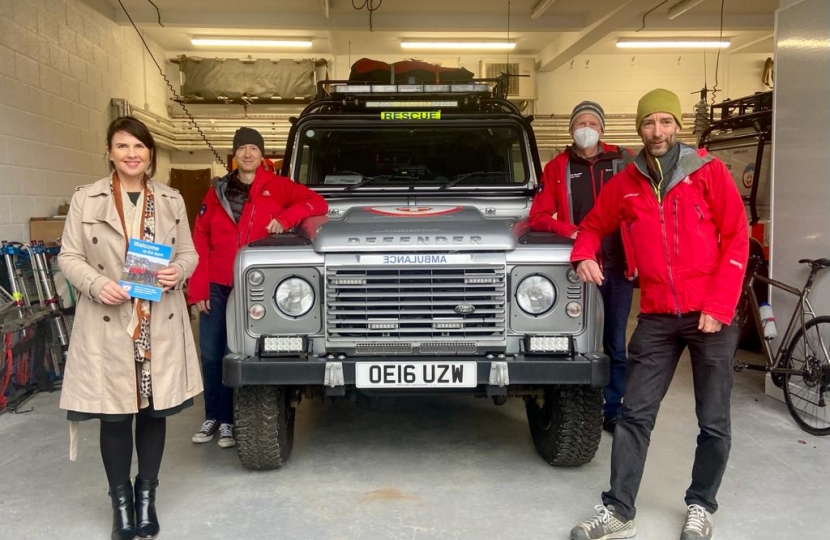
(140, 274)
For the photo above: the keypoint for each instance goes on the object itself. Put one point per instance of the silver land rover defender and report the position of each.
(423, 278)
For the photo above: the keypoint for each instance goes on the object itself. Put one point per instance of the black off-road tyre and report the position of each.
(567, 429)
(264, 424)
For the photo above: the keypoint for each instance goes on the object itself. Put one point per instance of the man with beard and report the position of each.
(688, 234)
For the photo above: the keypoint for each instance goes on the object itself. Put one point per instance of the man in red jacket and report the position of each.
(246, 205)
(688, 235)
(570, 185)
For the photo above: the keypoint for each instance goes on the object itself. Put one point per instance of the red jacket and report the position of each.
(218, 237)
(690, 248)
(552, 208)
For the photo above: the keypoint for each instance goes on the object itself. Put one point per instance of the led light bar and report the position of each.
(348, 281)
(480, 280)
(282, 344)
(551, 344)
(448, 324)
(409, 104)
(383, 324)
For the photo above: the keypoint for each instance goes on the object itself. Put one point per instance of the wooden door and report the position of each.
(193, 185)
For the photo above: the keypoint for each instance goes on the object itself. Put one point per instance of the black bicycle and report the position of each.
(801, 366)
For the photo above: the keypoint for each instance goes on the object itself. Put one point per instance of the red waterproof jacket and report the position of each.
(552, 208)
(690, 246)
(218, 237)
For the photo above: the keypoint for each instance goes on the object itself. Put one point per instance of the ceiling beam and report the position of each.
(600, 25)
(751, 43)
(709, 23)
(286, 21)
(540, 8)
(682, 7)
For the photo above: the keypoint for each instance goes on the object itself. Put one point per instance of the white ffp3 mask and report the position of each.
(586, 137)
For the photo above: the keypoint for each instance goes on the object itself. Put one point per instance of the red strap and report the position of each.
(9, 363)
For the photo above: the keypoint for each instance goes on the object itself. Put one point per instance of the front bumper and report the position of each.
(582, 369)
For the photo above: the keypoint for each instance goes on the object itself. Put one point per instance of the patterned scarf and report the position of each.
(139, 326)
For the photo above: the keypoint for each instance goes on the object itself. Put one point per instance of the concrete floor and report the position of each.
(439, 468)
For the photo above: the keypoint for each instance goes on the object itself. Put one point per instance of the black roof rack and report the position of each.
(475, 95)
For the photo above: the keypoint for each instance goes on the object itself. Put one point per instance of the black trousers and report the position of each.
(653, 354)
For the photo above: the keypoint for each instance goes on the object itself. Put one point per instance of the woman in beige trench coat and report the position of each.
(127, 357)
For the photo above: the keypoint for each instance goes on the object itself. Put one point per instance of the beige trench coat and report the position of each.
(100, 374)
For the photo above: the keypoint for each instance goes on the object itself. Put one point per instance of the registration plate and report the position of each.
(416, 374)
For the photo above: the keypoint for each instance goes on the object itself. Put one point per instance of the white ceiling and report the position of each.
(566, 29)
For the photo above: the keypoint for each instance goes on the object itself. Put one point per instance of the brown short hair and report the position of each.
(137, 129)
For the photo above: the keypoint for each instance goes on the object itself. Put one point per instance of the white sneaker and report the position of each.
(606, 525)
(206, 432)
(226, 439)
(698, 524)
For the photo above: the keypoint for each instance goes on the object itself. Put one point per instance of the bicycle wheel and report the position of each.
(808, 394)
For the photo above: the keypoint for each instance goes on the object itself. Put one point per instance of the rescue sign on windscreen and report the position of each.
(415, 374)
(410, 115)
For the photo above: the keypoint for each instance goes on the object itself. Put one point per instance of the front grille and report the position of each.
(413, 304)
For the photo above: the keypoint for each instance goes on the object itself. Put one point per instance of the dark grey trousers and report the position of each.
(653, 353)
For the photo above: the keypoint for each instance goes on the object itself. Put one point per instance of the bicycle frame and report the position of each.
(802, 308)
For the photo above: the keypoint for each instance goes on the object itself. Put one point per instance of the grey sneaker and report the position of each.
(206, 432)
(698, 524)
(606, 525)
(226, 439)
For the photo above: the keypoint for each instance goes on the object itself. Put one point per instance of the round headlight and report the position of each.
(294, 297)
(572, 276)
(255, 278)
(256, 311)
(573, 309)
(535, 295)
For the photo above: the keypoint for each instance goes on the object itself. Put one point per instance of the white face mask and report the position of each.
(586, 138)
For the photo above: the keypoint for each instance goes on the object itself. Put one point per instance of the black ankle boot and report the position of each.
(145, 509)
(123, 514)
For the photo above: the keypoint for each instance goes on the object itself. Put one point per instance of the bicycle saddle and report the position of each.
(816, 263)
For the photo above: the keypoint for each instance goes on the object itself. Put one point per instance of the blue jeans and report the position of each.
(616, 293)
(653, 354)
(213, 345)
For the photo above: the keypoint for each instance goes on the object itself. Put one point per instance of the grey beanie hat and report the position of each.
(246, 135)
(590, 107)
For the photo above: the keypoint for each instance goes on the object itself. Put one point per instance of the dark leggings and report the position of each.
(117, 447)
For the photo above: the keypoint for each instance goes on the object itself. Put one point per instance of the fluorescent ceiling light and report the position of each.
(540, 7)
(672, 44)
(682, 7)
(466, 45)
(250, 42)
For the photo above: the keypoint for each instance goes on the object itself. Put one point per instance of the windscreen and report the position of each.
(431, 157)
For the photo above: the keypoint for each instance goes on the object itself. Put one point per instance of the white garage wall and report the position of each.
(800, 186)
(60, 63)
(618, 81)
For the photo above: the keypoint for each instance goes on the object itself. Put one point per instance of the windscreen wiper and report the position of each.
(474, 174)
(370, 179)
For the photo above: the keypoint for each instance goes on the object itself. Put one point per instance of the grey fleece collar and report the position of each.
(221, 185)
(687, 163)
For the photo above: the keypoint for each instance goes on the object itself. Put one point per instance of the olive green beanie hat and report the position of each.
(659, 100)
